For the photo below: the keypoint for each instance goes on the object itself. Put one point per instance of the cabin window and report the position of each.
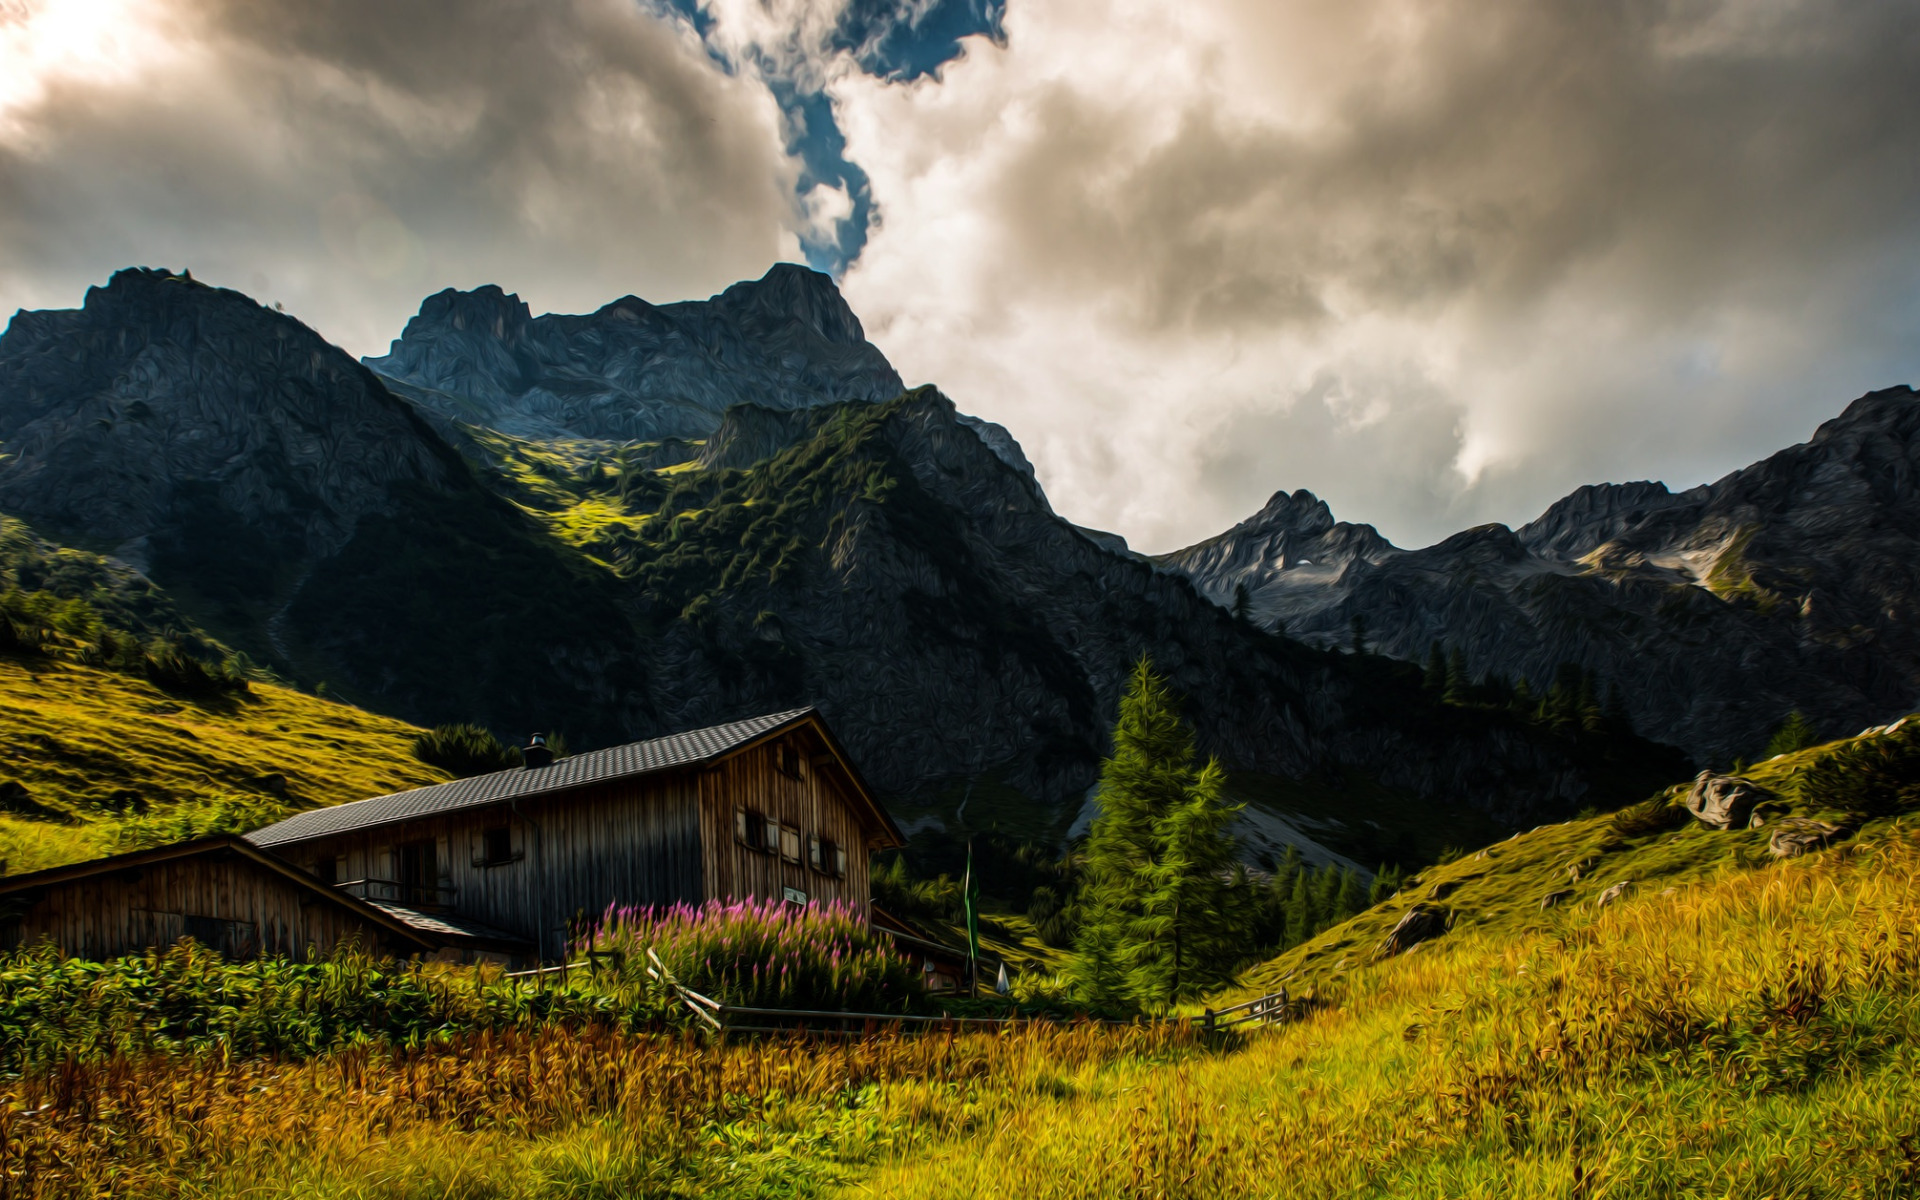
(750, 830)
(232, 939)
(770, 835)
(790, 844)
(789, 759)
(326, 869)
(496, 847)
(815, 849)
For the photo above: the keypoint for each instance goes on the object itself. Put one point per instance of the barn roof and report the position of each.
(692, 748)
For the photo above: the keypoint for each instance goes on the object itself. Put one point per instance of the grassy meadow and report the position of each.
(1733, 1026)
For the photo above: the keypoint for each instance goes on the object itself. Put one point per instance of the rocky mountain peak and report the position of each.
(633, 371)
(1302, 513)
(792, 294)
(487, 310)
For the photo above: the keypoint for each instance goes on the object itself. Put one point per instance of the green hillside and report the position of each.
(1539, 882)
(92, 758)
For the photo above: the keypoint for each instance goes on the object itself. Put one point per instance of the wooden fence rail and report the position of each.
(1270, 1009)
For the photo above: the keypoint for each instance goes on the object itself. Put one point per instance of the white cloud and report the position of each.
(1437, 262)
(351, 158)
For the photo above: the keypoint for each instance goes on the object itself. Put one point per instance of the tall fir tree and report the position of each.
(1159, 909)
(1794, 734)
(1435, 678)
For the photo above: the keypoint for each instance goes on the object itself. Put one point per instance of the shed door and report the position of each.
(419, 872)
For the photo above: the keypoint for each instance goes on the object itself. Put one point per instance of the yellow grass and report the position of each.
(1749, 1035)
(100, 742)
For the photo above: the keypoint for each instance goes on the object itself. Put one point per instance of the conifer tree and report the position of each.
(1242, 602)
(1795, 733)
(1359, 627)
(1159, 907)
(1435, 678)
(1456, 692)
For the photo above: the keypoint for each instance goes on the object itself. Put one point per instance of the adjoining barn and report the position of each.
(766, 807)
(223, 893)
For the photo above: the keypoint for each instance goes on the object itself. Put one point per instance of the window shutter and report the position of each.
(813, 852)
(840, 861)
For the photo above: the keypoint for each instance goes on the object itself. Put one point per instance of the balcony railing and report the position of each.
(413, 895)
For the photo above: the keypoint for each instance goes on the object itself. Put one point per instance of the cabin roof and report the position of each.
(450, 927)
(223, 845)
(689, 749)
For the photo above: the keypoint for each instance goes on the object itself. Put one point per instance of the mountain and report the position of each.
(293, 505)
(634, 371)
(1790, 584)
(893, 562)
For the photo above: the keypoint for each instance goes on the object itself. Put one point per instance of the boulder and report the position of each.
(1420, 923)
(1617, 892)
(1724, 801)
(1795, 836)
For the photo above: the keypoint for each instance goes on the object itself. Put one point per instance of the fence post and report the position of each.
(1209, 1021)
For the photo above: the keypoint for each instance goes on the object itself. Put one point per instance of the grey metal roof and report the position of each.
(575, 770)
(444, 924)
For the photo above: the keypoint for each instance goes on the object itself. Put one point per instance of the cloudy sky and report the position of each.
(1438, 261)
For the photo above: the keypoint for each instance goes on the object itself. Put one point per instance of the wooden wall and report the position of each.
(628, 842)
(655, 840)
(226, 901)
(816, 801)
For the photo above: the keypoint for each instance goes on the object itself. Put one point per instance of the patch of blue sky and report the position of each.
(898, 40)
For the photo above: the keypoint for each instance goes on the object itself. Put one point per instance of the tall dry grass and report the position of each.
(1750, 1035)
(514, 1113)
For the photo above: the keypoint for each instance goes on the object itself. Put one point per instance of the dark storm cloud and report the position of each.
(348, 157)
(1547, 243)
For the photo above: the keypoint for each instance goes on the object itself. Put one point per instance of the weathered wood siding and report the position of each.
(218, 900)
(573, 854)
(813, 798)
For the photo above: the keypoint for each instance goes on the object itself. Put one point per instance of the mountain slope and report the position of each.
(1789, 584)
(296, 507)
(633, 371)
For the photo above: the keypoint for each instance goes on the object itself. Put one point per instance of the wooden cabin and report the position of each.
(224, 893)
(769, 807)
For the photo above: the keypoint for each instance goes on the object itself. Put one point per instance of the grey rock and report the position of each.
(1617, 892)
(1795, 836)
(1724, 801)
(634, 371)
(1419, 924)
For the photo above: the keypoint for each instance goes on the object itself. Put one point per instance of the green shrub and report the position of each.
(1871, 776)
(464, 750)
(185, 998)
(185, 822)
(170, 668)
(1650, 816)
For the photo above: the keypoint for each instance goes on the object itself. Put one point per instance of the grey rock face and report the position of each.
(1793, 583)
(634, 371)
(161, 395)
(960, 628)
(1724, 801)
